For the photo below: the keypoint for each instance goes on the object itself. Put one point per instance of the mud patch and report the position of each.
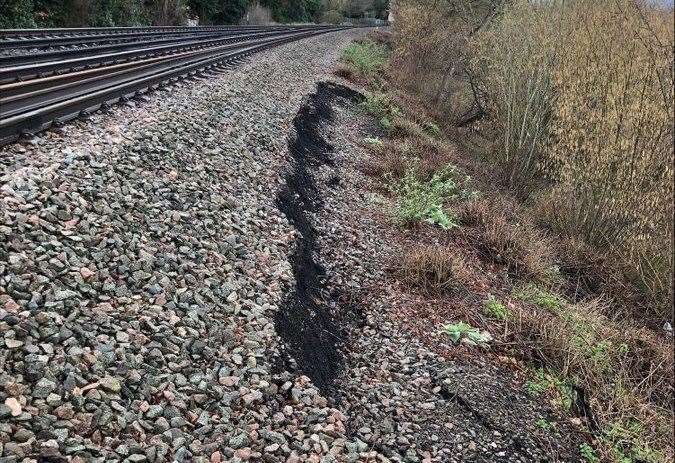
(312, 336)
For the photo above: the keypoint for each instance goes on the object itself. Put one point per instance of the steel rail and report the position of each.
(41, 110)
(42, 56)
(56, 41)
(26, 71)
(71, 31)
(23, 96)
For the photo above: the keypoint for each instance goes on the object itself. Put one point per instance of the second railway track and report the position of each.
(37, 92)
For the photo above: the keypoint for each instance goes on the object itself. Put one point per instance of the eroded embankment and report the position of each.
(311, 334)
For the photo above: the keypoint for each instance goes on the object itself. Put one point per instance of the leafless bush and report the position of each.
(169, 13)
(513, 63)
(257, 14)
(430, 52)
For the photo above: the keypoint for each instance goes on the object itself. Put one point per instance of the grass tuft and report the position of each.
(433, 269)
(495, 309)
(538, 296)
(506, 239)
(366, 58)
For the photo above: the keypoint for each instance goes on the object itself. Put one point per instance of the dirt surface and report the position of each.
(409, 396)
(307, 328)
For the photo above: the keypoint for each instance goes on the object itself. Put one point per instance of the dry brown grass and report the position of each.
(614, 367)
(416, 148)
(433, 269)
(507, 238)
(384, 162)
(404, 127)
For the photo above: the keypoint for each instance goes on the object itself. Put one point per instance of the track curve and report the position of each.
(48, 87)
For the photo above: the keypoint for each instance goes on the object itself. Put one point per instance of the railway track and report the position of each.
(62, 78)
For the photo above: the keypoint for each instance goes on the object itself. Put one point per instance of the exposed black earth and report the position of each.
(305, 323)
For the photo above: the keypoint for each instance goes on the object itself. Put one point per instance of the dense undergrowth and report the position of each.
(108, 13)
(574, 102)
(486, 228)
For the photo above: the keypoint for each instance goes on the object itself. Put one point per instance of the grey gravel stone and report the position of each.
(145, 261)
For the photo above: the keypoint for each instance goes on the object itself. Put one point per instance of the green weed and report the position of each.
(418, 200)
(544, 424)
(545, 381)
(624, 440)
(466, 333)
(366, 57)
(588, 454)
(386, 123)
(539, 384)
(380, 105)
(600, 354)
(495, 309)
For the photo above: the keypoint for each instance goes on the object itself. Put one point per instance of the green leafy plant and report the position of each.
(600, 354)
(588, 453)
(365, 57)
(435, 215)
(386, 123)
(539, 384)
(493, 308)
(466, 333)
(544, 424)
(418, 200)
(624, 439)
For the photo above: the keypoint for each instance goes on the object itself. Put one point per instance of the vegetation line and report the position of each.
(109, 13)
(541, 229)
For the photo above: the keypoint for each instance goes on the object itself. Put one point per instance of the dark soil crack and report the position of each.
(311, 334)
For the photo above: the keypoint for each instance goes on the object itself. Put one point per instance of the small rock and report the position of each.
(14, 406)
(243, 453)
(43, 388)
(111, 384)
(13, 343)
(86, 273)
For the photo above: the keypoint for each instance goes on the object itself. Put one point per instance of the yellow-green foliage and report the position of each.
(582, 93)
(365, 57)
(611, 148)
(513, 60)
